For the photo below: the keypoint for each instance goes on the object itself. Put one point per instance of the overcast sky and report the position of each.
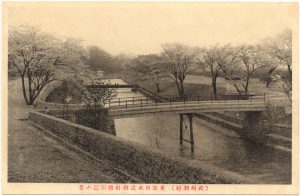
(140, 28)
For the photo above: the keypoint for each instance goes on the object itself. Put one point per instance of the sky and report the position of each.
(141, 28)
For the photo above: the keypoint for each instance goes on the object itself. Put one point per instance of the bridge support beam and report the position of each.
(181, 139)
(191, 132)
(181, 129)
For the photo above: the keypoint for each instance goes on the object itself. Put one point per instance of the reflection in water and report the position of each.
(212, 147)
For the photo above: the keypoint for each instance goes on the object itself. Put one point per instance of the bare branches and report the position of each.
(153, 67)
(181, 61)
(280, 48)
(37, 56)
(216, 59)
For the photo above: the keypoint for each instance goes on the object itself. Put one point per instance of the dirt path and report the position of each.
(35, 157)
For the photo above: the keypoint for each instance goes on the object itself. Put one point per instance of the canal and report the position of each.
(225, 150)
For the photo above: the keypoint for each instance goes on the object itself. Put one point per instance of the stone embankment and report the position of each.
(275, 135)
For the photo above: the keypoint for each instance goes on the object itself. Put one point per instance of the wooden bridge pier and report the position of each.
(191, 141)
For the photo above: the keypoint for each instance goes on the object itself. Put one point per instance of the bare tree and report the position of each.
(249, 60)
(28, 51)
(207, 59)
(252, 60)
(38, 57)
(269, 74)
(280, 47)
(180, 63)
(214, 60)
(151, 66)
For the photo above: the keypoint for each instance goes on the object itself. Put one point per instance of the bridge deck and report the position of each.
(142, 109)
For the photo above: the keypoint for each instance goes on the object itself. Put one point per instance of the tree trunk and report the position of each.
(66, 90)
(290, 72)
(30, 87)
(214, 86)
(178, 87)
(24, 89)
(237, 88)
(269, 78)
(157, 87)
(182, 89)
(247, 85)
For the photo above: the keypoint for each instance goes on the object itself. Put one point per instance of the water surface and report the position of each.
(221, 149)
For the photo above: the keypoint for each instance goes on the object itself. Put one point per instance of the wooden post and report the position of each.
(181, 129)
(191, 132)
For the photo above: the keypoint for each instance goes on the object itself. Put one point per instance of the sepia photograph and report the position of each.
(150, 98)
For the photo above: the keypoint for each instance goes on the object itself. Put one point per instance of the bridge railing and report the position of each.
(109, 86)
(131, 102)
(196, 97)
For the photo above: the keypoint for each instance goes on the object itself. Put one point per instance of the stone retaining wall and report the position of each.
(94, 118)
(273, 126)
(282, 130)
(256, 127)
(151, 166)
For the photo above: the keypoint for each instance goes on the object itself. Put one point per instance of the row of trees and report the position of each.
(235, 63)
(40, 58)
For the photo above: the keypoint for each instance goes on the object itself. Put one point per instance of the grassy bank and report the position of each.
(36, 157)
(168, 86)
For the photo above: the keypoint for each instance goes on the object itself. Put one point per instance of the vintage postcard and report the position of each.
(150, 98)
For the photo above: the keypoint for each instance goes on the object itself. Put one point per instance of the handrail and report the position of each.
(110, 86)
(194, 100)
(127, 98)
(194, 97)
